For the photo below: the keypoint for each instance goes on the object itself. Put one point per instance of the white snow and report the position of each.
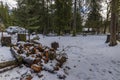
(89, 58)
(5, 54)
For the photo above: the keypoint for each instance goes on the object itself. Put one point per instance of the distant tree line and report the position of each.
(59, 16)
(46, 16)
(5, 17)
(64, 16)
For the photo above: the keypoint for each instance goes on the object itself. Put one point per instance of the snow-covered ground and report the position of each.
(89, 59)
(5, 54)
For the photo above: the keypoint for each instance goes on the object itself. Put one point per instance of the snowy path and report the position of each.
(89, 59)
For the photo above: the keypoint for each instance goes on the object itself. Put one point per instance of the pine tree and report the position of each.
(4, 14)
(94, 19)
(63, 14)
(33, 14)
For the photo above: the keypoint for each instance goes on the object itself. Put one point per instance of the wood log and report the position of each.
(56, 68)
(28, 78)
(35, 42)
(37, 60)
(36, 68)
(16, 56)
(28, 44)
(8, 63)
(21, 59)
(55, 45)
(8, 68)
(11, 63)
(27, 61)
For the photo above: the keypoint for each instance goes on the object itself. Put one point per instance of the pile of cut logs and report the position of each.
(39, 57)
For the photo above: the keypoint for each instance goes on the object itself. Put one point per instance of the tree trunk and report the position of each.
(74, 16)
(44, 14)
(8, 68)
(105, 27)
(47, 15)
(113, 26)
(107, 17)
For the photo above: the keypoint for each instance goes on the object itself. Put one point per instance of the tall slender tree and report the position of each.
(107, 20)
(74, 17)
(79, 18)
(113, 26)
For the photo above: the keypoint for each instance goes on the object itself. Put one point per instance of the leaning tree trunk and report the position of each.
(113, 40)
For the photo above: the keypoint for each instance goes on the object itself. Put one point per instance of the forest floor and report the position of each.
(89, 58)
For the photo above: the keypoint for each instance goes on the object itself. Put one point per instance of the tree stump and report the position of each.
(55, 45)
(108, 39)
(21, 37)
(6, 41)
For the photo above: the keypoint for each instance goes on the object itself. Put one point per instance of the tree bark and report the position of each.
(74, 16)
(107, 17)
(44, 14)
(8, 68)
(105, 27)
(113, 40)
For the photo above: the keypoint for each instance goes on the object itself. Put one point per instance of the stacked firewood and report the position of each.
(39, 57)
